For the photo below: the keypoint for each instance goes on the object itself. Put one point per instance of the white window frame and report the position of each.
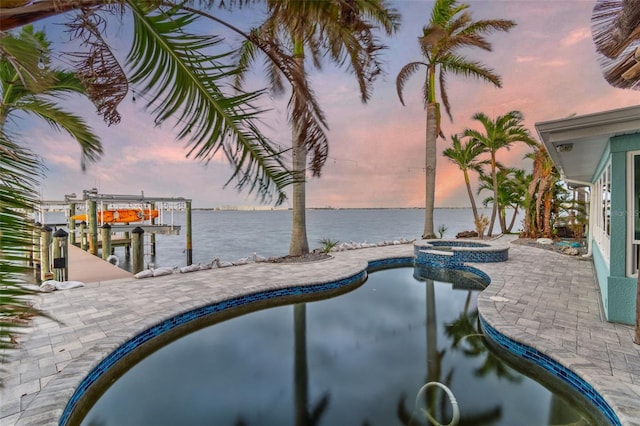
(602, 219)
(633, 245)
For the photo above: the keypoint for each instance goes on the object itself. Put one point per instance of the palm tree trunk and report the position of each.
(513, 220)
(540, 202)
(494, 211)
(502, 218)
(548, 201)
(430, 169)
(299, 245)
(473, 201)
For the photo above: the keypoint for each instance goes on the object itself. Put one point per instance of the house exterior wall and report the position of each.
(618, 289)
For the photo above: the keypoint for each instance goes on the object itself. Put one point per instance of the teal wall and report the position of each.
(602, 273)
(618, 290)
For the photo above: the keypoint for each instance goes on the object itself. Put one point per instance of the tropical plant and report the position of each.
(328, 244)
(179, 76)
(465, 156)
(344, 32)
(512, 190)
(450, 30)
(541, 194)
(28, 84)
(442, 229)
(19, 172)
(501, 132)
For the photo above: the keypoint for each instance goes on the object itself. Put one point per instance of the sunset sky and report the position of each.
(549, 68)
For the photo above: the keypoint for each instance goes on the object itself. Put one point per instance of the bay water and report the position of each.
(231, 235)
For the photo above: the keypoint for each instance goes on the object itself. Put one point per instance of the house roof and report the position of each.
(576, 144)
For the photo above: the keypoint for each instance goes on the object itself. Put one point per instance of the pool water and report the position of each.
(356, 359)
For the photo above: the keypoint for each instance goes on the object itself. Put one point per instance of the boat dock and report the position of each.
(87, 268)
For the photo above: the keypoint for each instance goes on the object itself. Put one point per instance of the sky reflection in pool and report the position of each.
(357, 359)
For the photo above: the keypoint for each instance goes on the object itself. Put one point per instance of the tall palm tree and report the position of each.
(450, 30)
(465, 156)
(28, 84)
(500, 133)
(344, 32)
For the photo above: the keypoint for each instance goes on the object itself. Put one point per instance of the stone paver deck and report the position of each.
(538, 297)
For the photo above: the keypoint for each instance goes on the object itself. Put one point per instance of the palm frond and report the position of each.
(470, 69)
(185, 82)
(99, 70)
(404, 74)
(19, 172)
(75, 126)
(24, 55)
(304, 109)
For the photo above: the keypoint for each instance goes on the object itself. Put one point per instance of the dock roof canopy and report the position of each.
(576, 144)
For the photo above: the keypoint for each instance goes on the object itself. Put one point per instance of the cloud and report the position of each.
(576, 36)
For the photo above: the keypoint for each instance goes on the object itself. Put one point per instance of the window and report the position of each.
(602, 201)
(633, 206)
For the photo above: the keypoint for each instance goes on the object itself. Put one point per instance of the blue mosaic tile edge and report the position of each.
(201, 312)
(468, 252)
(553, 367)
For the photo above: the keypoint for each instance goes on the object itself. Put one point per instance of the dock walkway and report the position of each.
(87, 268)
(540, 298)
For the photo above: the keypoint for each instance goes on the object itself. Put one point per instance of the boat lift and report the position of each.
(95, 207)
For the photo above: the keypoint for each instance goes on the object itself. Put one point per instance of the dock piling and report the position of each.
(137, 241)
(189, 242)
(45, 244)
(106, 240)
(93, 227)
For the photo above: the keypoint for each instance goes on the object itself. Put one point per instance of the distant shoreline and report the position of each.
(262, 208)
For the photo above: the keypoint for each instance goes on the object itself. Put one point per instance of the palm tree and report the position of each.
(177, 74)
(465, 156)
(500, 133)
(512, 189)
(450, 30)
(540, 195)
(28, 84)
(340, 30)
(518, 183)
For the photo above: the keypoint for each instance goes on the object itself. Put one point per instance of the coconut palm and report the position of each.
(28, 84)
(465, 156)
(500, 133)
(450, 30)
(342, 31)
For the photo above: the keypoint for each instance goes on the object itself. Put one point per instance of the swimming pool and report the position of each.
(359, 357)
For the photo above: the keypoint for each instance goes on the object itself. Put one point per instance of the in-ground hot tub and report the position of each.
(452, 253)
